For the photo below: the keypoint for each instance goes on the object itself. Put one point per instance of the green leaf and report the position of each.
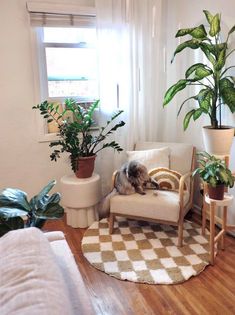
(92, 108)
(232, 30)
(204, 98)
(228, 96)
(225, 83)
(209, 16)
(212, 181)
(181, 106)
(197, 113)
(46, 189)
(193, 44)
(14, 198)
(187, 118)
(196, 32)
(221, 60)
(173, 90)
(197, 72)
(37, 201)
(224, 175)
(6, 213)
(52, 211)
(207, 50)
(215, 25)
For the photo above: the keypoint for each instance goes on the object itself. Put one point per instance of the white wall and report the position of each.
(24, 162)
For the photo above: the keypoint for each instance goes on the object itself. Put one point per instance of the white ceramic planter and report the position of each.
(218, 141)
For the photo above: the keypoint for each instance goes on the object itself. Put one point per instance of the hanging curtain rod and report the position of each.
(59, 9)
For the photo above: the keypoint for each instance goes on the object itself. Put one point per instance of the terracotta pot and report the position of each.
(217, 192)
(218, 141)
(85, 166)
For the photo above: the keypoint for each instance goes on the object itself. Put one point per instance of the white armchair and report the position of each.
(167, 207)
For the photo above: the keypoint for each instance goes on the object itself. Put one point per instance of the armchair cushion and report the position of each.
(167, 179)
(180, 157)
(151, 158)
(160, 205)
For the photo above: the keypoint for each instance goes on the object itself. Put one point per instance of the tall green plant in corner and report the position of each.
(217, 86)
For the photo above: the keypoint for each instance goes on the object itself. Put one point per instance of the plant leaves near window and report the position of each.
(76, 136)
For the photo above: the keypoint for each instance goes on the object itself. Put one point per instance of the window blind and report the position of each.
(61, 15)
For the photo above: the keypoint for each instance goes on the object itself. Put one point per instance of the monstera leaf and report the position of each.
(14, 198)
(14, 205)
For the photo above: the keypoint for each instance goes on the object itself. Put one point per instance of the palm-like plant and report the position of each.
(76, 135)
(217, 87)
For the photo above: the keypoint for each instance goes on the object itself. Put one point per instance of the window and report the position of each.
(64, 38)
(71, 62)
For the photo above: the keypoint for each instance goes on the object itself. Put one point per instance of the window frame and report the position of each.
(41, 80)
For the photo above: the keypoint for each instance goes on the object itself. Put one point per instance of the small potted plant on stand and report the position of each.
(76, 135)
(215, 173)
(217, 86)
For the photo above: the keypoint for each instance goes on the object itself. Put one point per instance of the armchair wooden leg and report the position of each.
(180, 233)
(204, 217)
(111, 221)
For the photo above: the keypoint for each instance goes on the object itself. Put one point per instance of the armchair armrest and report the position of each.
(113, 178)
(181, 186)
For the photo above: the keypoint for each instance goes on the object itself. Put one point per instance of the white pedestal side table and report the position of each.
(80, 197)
(227, 201)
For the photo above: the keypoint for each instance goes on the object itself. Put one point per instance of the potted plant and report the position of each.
(212, 77)
(76, 135)
(14, 206)
(215, 173)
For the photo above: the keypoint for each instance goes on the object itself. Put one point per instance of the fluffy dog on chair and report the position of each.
(131, 178)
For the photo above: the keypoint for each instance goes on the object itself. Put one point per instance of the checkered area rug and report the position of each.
(146, 252)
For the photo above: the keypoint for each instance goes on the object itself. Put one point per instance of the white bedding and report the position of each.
(30, 279)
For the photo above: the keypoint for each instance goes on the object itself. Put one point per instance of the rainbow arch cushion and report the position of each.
(166, 178)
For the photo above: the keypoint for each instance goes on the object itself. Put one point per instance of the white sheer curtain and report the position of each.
(113, 60)
(131, 74)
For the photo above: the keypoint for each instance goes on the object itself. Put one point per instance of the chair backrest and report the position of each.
(181, 154)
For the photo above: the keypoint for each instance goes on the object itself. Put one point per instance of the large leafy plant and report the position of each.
(76, 135)
(213, 170)
(16, 212)
(217, 86)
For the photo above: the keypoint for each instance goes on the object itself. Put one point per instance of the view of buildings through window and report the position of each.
(71, 62)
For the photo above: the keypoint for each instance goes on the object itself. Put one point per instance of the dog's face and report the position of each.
(137, 173)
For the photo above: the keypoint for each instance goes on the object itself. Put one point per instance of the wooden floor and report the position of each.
(212, 292)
